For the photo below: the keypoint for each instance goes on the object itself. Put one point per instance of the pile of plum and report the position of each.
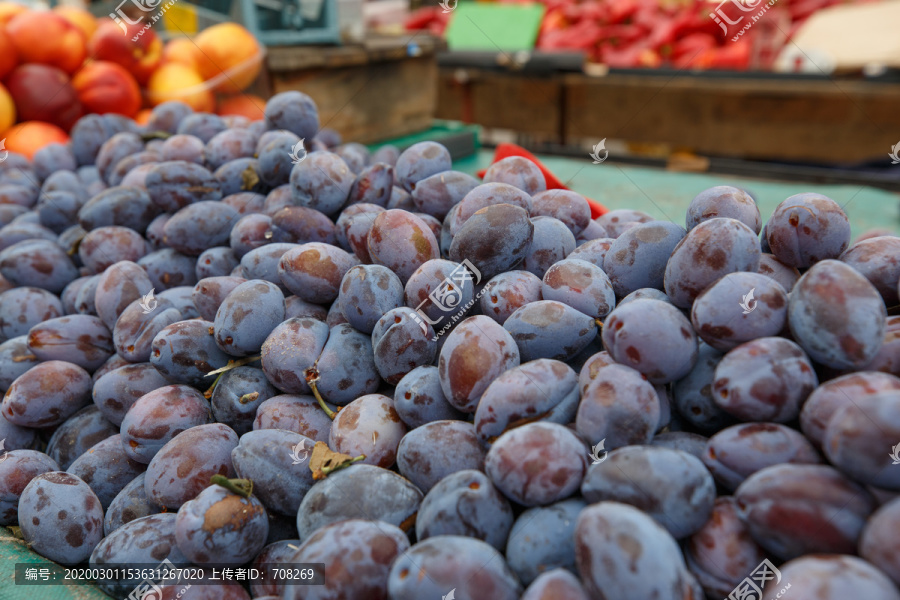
(520, 402)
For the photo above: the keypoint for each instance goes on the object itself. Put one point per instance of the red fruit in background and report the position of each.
(46, 38)
(44, 93)
(139, 57)
(105, 87)
(8, 57)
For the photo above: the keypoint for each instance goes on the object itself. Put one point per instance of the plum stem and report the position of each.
(155, 135)
(241, 487)
(248, 397)
(312, 376)
(232, 364)
(599, 323)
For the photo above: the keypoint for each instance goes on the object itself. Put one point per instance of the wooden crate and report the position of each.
(527, 104)
(378, 90)
(784, 119)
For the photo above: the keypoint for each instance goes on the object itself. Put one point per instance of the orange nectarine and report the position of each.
(174, 81)
(44, 37)
(7, 110)
(105, 87)
(229, 53)
(245, 105)
(29, 137)
(140, 57)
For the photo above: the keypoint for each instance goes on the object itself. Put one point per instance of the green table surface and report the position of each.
(667, 194)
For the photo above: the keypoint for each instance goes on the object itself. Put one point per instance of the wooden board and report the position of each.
(805, 120)
(527, 104)
(369, 92)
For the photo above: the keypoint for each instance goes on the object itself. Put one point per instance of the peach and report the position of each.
(245, 105)
(44, 93)
(29, 137)
(182, 50)
(80, 18)
(44, 37)
(229, 50)
(8, 10)
(8, 57)
(174, 81)
(139, 54)
(106, 87)
(7, 110)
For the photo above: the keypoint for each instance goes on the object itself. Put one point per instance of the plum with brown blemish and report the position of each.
(419, 399)
(831, 577)
(485, 195)
(199, 226)
(537, 464)
(581, 285)
(507, 292)
(301, 225)
(47, 394)
(419, 161)
(368, 292)
(373, 185)
(158, 416)
(115, 392)
(221, 528)
(266, 457)
(322, 181)
(551, 242)
(807, 228)
(184, 352)
(724, 201)
(250, 232)
(792, 510)
(652, 337)
(184, 466)
(402, 242)
(17, 470)
(401, 342)
(37, 263)
(129, 504)
(135, 329)
(709, 251)
(60, 517)
(620, 406)
(831, 395)
(495, 239)
(671, 486)
(172, 185)
(638, 257)
(146, 540)
(352, 234)
(721, 320)
(314, 271)
(168, 268)
(209, 293)
(247, 316)
(543, 538)
(616, 222)
(837, 316)
(129, 207)
(291, 349)
(357, 556)
(767, 379)
(369, 425)
(238, 394)
(437, 194)
(360, 491)
(784, 274)
(465, 503)
(622, 553)
(433, 566)
(24, 307)
(475, 353)
(428, 454)
(543, 389)
(737, 452)
(262, 263)
(300, 414)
